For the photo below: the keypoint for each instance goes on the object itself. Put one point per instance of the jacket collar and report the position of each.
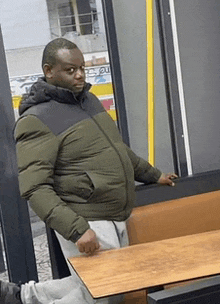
(42, 92)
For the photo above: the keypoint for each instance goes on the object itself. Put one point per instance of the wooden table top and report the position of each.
(151, 264)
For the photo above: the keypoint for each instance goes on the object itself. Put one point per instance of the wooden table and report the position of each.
(151, 264)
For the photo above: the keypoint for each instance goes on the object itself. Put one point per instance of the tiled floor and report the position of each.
(42, 258)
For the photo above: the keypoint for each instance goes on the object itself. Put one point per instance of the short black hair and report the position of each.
(51, 49)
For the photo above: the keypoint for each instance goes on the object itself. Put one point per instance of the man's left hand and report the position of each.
(167, 179)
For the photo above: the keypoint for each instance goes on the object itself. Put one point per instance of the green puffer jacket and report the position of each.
(73, 164)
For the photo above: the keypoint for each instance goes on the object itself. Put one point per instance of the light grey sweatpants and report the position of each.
(71, 290)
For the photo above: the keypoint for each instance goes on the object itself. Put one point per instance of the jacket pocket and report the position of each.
(98, 184)
(82, 187)
(75, 185)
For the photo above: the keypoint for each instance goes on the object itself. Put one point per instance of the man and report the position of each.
(75, 170)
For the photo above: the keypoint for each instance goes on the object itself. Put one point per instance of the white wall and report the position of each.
(24, 23)
(25, 61)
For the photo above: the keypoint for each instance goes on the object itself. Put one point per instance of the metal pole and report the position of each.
(15, 219)
(168, 39)
(76, 15)
(115, 69)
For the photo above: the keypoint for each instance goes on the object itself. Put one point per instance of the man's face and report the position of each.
(69, 71)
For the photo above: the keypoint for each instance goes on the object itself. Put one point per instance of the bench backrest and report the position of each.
(179, 217)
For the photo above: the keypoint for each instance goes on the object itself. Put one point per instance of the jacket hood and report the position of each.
(42, 92)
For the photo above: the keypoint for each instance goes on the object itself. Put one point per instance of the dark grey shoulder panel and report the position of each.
(92, 105)
(59, 116)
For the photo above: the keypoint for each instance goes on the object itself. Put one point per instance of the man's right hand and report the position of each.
(88, 242)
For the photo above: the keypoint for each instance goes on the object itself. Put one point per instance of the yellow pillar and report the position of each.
(150, 79)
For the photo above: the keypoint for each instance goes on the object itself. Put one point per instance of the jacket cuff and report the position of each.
(156, 174)
(75, 236)
(80, 229)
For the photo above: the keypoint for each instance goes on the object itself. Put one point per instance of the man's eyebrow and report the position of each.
(74, 65)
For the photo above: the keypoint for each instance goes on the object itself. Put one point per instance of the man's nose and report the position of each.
(79, 73)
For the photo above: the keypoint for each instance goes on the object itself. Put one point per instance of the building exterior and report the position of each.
(27, 26)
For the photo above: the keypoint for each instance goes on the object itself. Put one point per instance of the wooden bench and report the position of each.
(170, 219)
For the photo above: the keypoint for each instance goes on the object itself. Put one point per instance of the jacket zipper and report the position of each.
(119, 156)
(109, 140)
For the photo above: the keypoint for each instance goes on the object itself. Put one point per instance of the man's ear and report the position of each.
(48, 71)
